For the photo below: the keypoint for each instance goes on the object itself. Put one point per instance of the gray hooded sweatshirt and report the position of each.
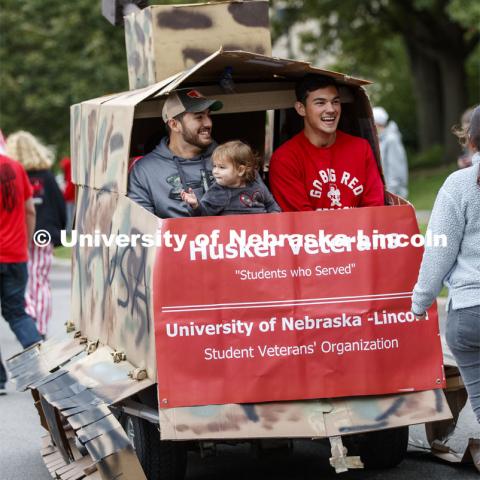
(157, 179)
(456, 214)
(394, 160)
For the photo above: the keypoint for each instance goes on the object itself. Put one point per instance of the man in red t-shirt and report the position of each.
(323, 168)
(17, 222)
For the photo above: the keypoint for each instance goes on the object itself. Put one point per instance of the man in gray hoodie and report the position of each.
(180, 161)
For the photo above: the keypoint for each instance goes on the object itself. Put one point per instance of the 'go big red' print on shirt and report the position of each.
(327, 182)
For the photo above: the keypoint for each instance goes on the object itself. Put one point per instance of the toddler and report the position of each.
(238, 188)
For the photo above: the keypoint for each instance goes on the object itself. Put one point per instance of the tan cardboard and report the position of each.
(165, 39)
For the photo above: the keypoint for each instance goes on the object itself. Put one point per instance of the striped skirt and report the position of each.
(38, 295)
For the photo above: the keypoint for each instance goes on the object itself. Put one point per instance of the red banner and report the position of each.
(291, 306)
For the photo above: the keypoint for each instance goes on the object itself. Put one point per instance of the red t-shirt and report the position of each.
(304, 177)
(15, 189)
(69, 190)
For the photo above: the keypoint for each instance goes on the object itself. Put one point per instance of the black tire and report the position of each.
(379, 449)
(160, 460)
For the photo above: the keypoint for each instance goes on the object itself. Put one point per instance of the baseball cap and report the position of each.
(187, 100)
(380, 116)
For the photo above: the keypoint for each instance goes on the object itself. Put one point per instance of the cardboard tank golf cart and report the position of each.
(228, 329)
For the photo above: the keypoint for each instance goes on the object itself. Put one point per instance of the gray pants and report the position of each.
(463, 338)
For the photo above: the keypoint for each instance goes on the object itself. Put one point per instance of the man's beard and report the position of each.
(193, 138)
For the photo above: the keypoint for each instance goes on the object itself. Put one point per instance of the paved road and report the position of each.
(20, 436)
(20, 429)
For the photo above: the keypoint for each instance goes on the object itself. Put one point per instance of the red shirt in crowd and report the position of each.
(304, 177)
(15, 190)
(69, 189)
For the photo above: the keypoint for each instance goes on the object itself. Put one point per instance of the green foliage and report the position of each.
(427, 159)
(424, 185)
(466, 13)
(473, 77)
(54, 54)
(392, 84)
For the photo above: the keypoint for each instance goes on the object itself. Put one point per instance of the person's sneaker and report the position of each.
(3, 390)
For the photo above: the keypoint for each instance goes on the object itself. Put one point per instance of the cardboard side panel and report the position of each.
(139, 46)
(83, 137)
(112, 148)
(86, 159)
(104, 381)
(308, 419)
(34, 364)
(112, 301)
(131, 277)
(75, 128)
(185, 35)
(92, 299)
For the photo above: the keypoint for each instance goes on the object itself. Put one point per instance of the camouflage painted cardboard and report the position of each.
(114, 10)
(140, 51)
(165, 39)
(303, 419)
(83, 132)
(131, 281)
(112, 303)
(100, 138)
(78, 394)
(92, 298)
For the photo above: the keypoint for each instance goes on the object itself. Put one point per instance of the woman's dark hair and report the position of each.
(474, 134)
(473, 131)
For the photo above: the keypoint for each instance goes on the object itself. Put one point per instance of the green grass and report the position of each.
(63, 252)
(424, 185)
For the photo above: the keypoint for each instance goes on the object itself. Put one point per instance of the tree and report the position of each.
(438, 35)
(54, 54)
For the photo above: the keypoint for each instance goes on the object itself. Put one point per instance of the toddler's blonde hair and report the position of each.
(241, 155)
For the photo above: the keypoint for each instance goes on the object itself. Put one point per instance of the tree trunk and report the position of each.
(428, 97)
(454, 100)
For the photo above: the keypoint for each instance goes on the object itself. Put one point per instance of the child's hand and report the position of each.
(189, 198)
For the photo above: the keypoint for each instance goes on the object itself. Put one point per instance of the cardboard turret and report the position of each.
(162, 40)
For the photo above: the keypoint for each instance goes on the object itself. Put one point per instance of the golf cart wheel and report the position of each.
(160, 460)
(379, 449)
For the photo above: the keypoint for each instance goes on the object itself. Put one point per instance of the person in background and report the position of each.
(17, 223)
(465, 159)
(68, 191)
(51, 216)
(456, 214)
(392, 152)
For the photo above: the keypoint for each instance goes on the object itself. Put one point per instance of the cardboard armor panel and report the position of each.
(165, 39)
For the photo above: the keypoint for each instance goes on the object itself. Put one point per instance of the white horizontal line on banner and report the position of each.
(286, 303)
(290, 301)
